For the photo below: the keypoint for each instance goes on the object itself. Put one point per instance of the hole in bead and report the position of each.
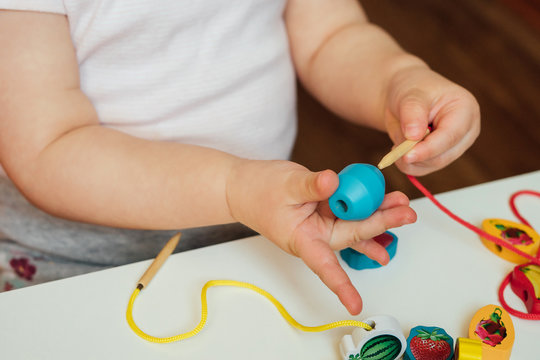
(340, 204)
(498, 247)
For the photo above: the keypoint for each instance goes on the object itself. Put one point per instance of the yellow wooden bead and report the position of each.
(468, 349)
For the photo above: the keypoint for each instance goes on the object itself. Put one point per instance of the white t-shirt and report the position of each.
(215, 73)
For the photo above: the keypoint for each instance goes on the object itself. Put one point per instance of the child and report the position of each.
(118, 118)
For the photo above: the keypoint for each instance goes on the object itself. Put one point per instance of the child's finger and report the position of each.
(457, 125)
(414, 109)
(349, 233)
(373, 250)
(449, 133)
(421, 167)
(430, 155)
(307, 186)
(322, 261)
(370, 247)
(394, 199)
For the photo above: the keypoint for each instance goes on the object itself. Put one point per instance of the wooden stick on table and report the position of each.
(158, 261)
(398, 152)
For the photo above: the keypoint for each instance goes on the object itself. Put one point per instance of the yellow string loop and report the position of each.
(204, 314)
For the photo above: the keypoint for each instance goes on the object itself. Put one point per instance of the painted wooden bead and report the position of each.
(429, 343)
(359, 261)
(525, 283)
(493, 326)
(360, 192)
(521, 236)
(468, 349)
(384, 342)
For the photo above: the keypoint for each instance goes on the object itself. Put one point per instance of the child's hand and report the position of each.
(417, 97)
(288, 204)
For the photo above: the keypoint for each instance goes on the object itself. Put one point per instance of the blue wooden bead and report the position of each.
(359, 261)
(360, 192)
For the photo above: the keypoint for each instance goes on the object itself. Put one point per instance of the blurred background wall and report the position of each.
(492, 48)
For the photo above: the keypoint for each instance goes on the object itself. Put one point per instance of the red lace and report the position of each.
(496, 240)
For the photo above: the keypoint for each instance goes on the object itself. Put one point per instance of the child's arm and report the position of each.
(359, 72)
(56, 152)
(54, 149)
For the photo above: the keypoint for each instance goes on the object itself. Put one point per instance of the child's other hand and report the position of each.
(417, 97)
(288, 204)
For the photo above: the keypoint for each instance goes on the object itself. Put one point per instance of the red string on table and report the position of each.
(496, 240)
(470, 226)
(513, 205)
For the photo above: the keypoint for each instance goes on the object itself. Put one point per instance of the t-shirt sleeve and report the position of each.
(52, 6)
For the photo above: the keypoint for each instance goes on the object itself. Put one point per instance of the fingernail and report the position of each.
(412, 131)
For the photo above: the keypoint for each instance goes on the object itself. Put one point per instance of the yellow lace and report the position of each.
(204, 315)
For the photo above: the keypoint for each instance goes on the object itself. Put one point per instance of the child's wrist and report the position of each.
(399, 69)
(237, 180)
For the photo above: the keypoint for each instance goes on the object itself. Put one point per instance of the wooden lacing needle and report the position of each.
(158, 261)
(398, 152)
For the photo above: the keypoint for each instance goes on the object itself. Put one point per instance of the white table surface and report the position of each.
(440, 276)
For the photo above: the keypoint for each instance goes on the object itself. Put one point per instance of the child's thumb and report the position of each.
(316, 186)
(414, 111)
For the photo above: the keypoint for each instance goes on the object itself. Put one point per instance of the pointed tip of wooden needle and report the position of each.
(398, 152)
(385, 162)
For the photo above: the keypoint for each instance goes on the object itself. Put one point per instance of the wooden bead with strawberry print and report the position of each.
(429, 343)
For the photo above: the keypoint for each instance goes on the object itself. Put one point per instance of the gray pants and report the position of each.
(57, 248)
